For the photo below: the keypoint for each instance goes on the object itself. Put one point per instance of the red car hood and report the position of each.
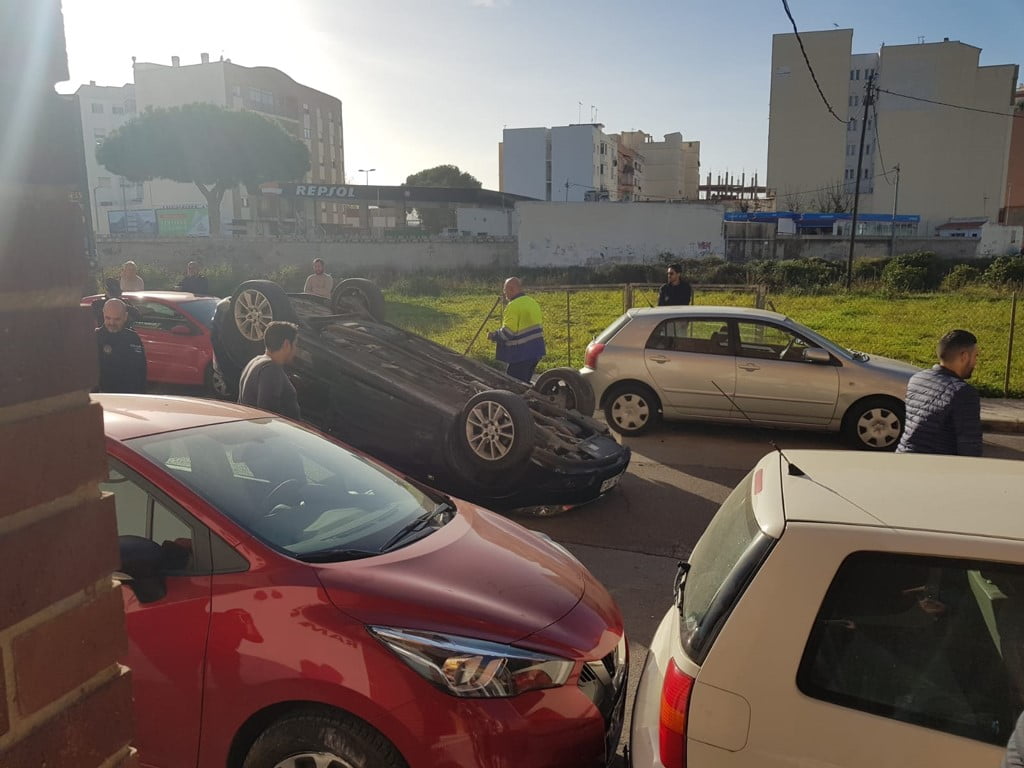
(479, 576)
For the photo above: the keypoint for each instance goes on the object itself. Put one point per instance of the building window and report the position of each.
(306, 133)
(851, 74)
(117, 110)
(868, 149)
(867, 173)
(97, 109)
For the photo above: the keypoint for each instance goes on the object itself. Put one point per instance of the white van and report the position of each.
(844, 609)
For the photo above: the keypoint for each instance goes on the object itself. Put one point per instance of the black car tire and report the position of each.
(631, 408)
(874, 424)
(494, 431)
(308, 737)
(254, 305)
(565, 388)
(364, 292)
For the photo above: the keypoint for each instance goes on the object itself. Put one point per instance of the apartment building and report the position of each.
(103, 110)
(569, 163)
(671, 166)
(953, 161)
(305, 113)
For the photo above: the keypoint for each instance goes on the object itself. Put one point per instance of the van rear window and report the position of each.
(722, 564)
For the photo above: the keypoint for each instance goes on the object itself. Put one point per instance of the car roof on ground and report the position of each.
(700, 309)
(945, 494)
(129, 416)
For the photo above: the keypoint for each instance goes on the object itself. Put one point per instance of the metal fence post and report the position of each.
(568, 330)
(627, 297)
(1009, 346)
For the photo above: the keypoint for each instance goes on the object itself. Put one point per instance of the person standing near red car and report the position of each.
(121, 354)
(264, 383)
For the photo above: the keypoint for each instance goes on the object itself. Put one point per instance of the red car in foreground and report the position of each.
(175, 330)
(292, 603)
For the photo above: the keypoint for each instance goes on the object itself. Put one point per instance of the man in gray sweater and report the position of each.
(943, 410)
(264, 383)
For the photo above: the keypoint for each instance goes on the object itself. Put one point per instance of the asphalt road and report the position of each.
(633, 537)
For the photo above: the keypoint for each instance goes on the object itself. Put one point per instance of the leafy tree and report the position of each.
(443, 176)
(437, 218)
(213, 148)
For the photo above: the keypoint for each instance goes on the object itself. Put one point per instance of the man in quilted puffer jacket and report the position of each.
(943, 410)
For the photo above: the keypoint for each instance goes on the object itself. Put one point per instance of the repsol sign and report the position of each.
(313, 190)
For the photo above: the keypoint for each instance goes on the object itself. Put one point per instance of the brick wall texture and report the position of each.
(64, 699)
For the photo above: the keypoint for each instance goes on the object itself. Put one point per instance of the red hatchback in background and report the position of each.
(292, 603)
(175, 332)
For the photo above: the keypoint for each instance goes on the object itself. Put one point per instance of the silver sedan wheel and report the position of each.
(879, 427)
(631, 411)
(314, 760)
(490, 430)
(253, 314)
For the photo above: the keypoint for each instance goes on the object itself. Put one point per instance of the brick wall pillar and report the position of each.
(64, 701)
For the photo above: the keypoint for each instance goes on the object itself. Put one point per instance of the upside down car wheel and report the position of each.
(494, 431)
(255, 304)
(361, 293)
(565, 388)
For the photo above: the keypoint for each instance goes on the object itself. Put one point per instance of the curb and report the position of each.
(1002, 425)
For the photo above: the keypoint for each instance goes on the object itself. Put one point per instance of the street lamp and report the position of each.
(367, 171)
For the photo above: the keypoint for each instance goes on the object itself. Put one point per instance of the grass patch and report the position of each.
(905, 328)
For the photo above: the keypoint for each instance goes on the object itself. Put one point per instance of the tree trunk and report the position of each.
(213, 197)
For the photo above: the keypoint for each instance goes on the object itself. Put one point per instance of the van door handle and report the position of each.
(750, 367)
(657, 358)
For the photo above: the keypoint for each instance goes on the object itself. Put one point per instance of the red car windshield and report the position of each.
(298, 492)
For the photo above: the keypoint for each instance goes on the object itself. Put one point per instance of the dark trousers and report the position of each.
(522, 371)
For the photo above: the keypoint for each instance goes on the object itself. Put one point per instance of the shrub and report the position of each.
(1005, 271)
(868, 270)
(960, 276)
(919, 271)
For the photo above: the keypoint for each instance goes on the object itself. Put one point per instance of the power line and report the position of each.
(878, 143)
(785, 5)
(953, 106)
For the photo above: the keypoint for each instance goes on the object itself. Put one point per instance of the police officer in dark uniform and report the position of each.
(122, 357)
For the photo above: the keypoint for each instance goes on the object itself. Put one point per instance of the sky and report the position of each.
(426, 83)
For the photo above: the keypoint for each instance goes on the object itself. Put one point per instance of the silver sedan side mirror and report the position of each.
(817, 355)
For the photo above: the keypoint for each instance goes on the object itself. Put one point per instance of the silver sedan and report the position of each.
(740, 365)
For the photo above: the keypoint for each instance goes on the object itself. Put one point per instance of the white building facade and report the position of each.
(671, 168)
(569, 163)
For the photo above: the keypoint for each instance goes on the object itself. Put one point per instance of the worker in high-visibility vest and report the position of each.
(520, 339)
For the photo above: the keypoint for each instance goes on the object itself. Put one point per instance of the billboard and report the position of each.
(183, 222)
(139, 222)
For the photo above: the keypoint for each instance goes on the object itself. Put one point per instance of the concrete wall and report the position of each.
(1000, 241)
(484, 221)
(341, 257)
(566, 234)
(838, 249)
(806, 145)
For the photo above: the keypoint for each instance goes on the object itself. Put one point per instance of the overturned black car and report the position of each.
(448, 420)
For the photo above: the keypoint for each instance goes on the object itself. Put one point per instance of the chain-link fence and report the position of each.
(575, 314)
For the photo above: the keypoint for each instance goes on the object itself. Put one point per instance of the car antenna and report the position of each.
(793, 469)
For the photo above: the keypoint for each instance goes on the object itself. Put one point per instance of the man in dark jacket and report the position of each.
(264, 382)
(943, 410)
(676, 291)
(122, 357)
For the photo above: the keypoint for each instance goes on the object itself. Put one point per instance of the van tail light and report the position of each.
(675, 704)
(594, 349)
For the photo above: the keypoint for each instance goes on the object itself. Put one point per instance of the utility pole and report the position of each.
(895, 202)
(868, 96)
